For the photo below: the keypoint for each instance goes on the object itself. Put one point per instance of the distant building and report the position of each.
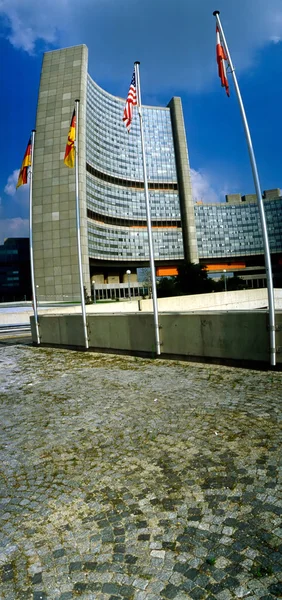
(15, 283)
(229, 236)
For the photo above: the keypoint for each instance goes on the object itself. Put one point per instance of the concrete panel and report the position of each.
(52, 179)
(241, 336)
(66, 331)
(184, 181)
(122, 332)
(123, 307)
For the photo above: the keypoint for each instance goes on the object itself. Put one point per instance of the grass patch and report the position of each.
(259, 571)
(211, 560)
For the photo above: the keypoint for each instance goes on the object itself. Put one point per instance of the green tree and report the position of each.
(87, 298)
(234, 283)
(166, 287)
(193, 279)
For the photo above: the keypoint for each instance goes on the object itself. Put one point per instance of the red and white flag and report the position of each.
(130, 102)
(221, 58)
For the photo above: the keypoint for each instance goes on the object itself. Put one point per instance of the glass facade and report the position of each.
(114, 182)
(235, 230)
(15, 281)
(117, 201)
(116, 207)
(112, 150)
(124, 243)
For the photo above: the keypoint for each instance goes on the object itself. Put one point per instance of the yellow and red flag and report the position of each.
(221, 58)
(70, 149)
(25, 165)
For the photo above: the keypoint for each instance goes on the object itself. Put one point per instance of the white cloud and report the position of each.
(14, 203)
(175, 41)
(15, 227)
(202, 187)
(28, 22)
(10, 187)
(20, 195)
(209, 187)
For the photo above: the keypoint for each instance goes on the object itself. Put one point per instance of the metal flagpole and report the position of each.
(151, 251)
(78, 229)
(267, 258)
(34, 298)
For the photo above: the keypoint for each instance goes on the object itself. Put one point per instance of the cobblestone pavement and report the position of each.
(125, 478)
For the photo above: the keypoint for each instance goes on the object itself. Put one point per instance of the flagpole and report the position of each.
(267, 257)
(149, 227)
(33, 289)
(78, 230)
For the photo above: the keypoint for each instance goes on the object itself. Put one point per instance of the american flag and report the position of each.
(130, 102)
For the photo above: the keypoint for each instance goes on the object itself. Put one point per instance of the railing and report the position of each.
(14, 329)
(118, 291)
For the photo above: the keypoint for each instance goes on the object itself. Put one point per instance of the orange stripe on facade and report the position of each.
(226, 267)
(154, 227)
(166, 271)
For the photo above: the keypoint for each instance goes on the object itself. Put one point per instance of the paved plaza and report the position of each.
(128, 478)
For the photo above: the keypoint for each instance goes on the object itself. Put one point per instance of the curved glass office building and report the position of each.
(111, 188)
(116, 209)
(113, 230)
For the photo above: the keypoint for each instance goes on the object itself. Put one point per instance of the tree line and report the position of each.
(193, 279)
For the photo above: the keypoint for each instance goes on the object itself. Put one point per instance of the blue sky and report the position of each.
(175, 42)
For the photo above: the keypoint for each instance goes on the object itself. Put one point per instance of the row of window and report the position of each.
(127, 202)
(110, 147)
(120, 243)
(223, 230)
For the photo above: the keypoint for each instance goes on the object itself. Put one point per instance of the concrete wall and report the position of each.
(66, 328)
(239, 300)
(17, 317)
(242, 300)
(63, 80)
(131, 332)
(241, 336)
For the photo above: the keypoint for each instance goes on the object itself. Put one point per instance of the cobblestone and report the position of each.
(107, 494)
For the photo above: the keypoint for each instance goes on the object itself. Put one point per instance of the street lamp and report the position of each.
(225, 282)
(94, 292)
(128, 273)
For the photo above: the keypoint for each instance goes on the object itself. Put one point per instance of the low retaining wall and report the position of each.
(236, 300)
(241, 336)
(219, 301)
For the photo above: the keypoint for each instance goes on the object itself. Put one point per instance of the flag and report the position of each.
(221, 58)
(130, 102)
(25, 165)
(69, 153)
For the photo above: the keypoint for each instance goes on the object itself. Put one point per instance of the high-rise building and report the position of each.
(15, 283)
(223, 236)
(111, 188)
